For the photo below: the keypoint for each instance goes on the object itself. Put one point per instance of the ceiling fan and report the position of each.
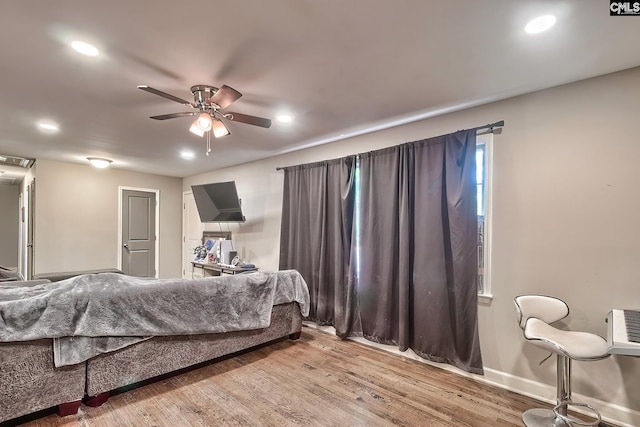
(208, 103)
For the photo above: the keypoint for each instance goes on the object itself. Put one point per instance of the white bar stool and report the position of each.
(535, 313)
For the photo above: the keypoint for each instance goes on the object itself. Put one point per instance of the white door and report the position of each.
(191, 232)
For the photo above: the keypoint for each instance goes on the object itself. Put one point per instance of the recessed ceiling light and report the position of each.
(48, 126)
(98, 162)
(187, 155)
(284, 118)
(540, 24)
(85, 48)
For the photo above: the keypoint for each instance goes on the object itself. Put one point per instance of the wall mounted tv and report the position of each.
(218, 202)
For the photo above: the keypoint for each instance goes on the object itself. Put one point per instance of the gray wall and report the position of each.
(565, 203)
(9, 225)
(76, 217)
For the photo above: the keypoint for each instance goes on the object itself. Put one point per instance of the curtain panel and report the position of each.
(416, 284)
(402, 268)
(315, 237)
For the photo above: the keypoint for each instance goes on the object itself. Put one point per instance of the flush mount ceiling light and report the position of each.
(540, 24)
(85, 48)
(48, 126)
(98, 162)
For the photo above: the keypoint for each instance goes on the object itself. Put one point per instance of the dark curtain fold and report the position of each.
(416, 282)
(315, 238)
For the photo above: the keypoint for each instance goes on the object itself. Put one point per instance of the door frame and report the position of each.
(21, 239)
(186, 265)
(121, 190)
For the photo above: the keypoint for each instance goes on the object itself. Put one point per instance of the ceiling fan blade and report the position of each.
(225, 96)
(174, 115)
(250, 120)
(166, 95)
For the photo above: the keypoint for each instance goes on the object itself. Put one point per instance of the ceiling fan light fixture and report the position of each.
(204, 122)
(219, 129)
(195, 129)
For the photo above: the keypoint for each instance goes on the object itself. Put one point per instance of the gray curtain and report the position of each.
(315, 238)
(416, 284)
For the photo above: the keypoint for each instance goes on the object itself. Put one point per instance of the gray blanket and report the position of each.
(96, 313)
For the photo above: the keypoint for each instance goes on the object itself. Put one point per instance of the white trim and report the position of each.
(487, 140)
(611, 412)
(485, 298)
(21, 244)
(121, 189)
(185, 268)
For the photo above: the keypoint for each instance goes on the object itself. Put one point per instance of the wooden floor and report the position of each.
(318, 380)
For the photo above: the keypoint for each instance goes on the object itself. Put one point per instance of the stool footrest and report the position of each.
(574, 420)
(539, 417)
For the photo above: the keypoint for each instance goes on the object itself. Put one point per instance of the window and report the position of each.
(483, 186)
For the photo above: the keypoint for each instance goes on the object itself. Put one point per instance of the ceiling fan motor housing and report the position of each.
(203, 93)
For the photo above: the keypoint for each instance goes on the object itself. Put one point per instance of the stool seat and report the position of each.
(573, 344)
(535, 313)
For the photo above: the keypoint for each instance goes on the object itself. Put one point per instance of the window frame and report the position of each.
(485, 296)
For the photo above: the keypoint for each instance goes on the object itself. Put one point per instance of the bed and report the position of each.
(85, 336)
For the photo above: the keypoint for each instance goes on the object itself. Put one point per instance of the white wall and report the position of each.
(76, 224)
(565, 203)
(9, 225)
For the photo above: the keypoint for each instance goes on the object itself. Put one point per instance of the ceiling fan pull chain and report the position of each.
(208, 143)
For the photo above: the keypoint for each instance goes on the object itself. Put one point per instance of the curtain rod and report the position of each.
(488, 126)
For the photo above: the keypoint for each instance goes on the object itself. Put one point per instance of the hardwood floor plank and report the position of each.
(318, 380)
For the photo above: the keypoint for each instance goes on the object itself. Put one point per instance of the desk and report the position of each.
(204, 269)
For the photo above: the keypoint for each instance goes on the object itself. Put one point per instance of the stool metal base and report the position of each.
(539, 417)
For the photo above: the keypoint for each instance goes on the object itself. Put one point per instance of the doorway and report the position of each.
(138, 230)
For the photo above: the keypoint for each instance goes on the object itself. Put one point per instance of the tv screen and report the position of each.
(218, 202)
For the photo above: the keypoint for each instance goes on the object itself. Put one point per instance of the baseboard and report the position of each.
(611, 413)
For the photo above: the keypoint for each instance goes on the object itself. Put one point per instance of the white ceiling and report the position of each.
(339, 66)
